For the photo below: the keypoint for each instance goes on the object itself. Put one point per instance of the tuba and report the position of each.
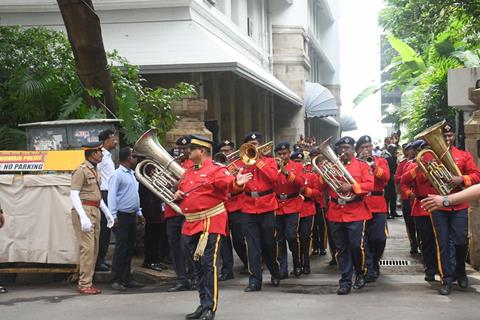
(436, 162)
(159, 172)
(333, 171)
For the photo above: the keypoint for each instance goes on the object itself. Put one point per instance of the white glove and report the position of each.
(108, 214)
(77, 204)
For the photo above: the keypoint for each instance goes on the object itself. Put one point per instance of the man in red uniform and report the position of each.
(307, 213)
(347, 219)
(377, 226)
(202, 191)
(290, 180)
(174, 223)
(451, 222)
(408, 154)
(416, 187)
(259, 206)
(234, 207)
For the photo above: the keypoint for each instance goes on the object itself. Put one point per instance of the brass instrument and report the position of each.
(280, 163)
(333, 171)
(247, 153)
(160, 172)
(441, 168)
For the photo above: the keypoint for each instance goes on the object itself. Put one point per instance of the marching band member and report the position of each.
(416, 186)
(201, 193)
(259, 205)
(347, 219)
(377, 229)
(408, 153)
(290, 180)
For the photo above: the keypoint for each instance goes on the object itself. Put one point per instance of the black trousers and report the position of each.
(349, 238)
(155, 238)
(391, 198)
(331, 242)
(104, 240)
(451, 227)
(259, 230)
(319, 235)
(205, 270)
(376, 240)
(287, 232)
(177, 253)
(427, 244)
(306, 236)
(236, 237)
(410, 224)
(125, 234)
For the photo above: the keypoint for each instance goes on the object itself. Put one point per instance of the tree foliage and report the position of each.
(38, 83)
(428, 37)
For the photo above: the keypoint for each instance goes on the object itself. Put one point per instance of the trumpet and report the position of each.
(280, 164)
(436, 162)
(333, 171)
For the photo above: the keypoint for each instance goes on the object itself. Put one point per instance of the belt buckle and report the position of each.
(282, 196)
(342, 201)
(255, 194)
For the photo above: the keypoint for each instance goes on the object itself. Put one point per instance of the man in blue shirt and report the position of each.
(124, 204)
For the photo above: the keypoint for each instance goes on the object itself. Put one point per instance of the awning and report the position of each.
(319, 101)
(347, 123)
(170, 47)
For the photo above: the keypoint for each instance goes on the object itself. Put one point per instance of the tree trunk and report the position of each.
(85, 36)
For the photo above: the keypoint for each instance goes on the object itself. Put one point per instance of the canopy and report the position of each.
(347, 123)
(319, 101)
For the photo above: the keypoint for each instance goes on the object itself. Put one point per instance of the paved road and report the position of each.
(400, 293)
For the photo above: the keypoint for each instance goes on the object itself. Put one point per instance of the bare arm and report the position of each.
(435, 202)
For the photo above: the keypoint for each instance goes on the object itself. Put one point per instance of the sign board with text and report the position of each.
(16, 161)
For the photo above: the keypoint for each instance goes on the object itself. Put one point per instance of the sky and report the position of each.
(360, 64)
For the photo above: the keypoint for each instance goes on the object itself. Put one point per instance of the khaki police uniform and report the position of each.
(87, 180)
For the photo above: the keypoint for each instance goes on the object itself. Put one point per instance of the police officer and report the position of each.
(259, 205)
(416, 187)
(174, 223)
(87, 202)
(202, 191)
(375, 201)
(347, 219)
(451, 222)
(235, 218)
(287, 188)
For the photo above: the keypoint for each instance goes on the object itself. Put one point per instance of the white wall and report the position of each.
(295, 14)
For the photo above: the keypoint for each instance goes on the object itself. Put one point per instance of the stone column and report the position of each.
(291, 65)
(191, 112)
(472, 139)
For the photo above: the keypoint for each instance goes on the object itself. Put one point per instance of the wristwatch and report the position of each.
(446, 202)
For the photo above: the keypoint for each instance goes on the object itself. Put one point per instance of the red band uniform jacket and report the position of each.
(352, 211)
(286, 186)
(381, 173)
(169, 212)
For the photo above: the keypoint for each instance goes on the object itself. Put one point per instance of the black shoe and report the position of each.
(297, 272)
(118, 286)
(178, 287)
(462, 282)
(225, 276)
(252, 288)
(306, 270)
(390, 217)
(429, 278)
(275, 281)
(207, 315)
(195, 314)
(332, 262)
(445, 289)
(370, 278)
(193, 285)
(343, 291)
(323, 252)
(107, 264)
(102, 268)
(152, 266)
(359, 282)
(315, 252)
(132, 284)
(283, 275)
(413, 250)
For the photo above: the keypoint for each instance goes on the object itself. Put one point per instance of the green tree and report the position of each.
(38, 83)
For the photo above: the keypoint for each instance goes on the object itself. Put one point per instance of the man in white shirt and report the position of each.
(106, 169)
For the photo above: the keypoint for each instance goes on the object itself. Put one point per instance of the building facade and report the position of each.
(249, 59)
